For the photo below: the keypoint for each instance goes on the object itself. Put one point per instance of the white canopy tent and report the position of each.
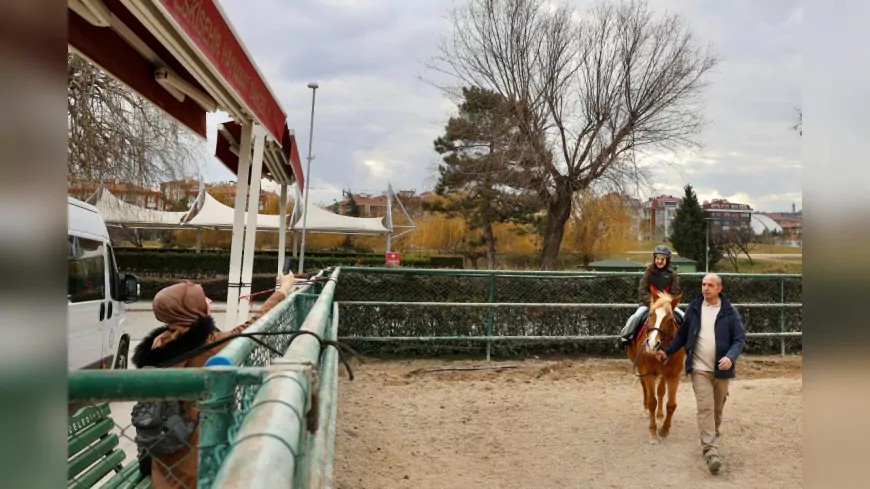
(761, 223)
(321, 221)
(324, 222)
(215, 215)
(118, 213)
(210, 214)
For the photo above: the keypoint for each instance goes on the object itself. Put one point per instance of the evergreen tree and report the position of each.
(689, 233)
(478, 174)
(353, 209)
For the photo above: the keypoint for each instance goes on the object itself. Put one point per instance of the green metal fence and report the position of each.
(517, 312)
(268, 420)
(226, 390)
(211, 388)
(287, 438)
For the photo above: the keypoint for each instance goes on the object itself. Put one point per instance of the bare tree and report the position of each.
(590, 92)
(736, 241)
(115, 134)
(746, 241)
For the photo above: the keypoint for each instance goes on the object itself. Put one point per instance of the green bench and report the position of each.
(93, 453)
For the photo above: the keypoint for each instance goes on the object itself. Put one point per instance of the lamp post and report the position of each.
(313, 86)
(707, 253)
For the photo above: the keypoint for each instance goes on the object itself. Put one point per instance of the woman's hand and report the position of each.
(285, 283)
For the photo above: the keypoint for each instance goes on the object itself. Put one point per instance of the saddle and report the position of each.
(645, 317)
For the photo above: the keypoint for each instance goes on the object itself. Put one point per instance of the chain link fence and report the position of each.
(103, 451)
(398, 311)
(106, 449)
(295, 407)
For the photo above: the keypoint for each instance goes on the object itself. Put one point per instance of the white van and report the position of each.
(96, 319)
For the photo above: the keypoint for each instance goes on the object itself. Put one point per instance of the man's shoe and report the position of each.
(713, 463)
(622, 343)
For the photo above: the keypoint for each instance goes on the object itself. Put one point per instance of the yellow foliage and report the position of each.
(599, 226)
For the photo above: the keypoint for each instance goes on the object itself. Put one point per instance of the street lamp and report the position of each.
(707, 253)
(313, 86)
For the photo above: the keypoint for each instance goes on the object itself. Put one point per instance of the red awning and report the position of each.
(106, 48)
(205, 63)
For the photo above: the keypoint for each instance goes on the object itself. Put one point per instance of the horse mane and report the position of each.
(663, 300)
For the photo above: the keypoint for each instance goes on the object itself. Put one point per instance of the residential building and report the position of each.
(369, 206)
(127, 192)
(792, 227)
(658, 214)
(727, 215)
(178, 191)
(634, 212)
(634, 209)
(225, 193)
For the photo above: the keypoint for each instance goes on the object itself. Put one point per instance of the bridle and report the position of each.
(641, 348)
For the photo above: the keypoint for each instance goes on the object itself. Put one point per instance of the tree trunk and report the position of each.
(489, 239)
(558, 212)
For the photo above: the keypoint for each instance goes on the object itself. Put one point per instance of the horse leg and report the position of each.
(673, 384)
(650, 383)
(645, 396)
(660, 414)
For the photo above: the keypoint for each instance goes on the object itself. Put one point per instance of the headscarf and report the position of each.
(178, 306)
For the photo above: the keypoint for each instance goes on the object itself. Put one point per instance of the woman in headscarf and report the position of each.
(185, 311)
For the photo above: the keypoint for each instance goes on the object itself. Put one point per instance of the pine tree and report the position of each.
(478, 175)
(690, 230)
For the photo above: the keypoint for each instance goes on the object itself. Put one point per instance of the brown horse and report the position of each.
(658, 332)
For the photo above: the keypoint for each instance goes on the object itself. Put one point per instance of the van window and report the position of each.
(114, 277)
(86, 270)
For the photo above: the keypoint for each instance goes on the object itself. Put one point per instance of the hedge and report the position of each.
(215, 287)
(384, 321)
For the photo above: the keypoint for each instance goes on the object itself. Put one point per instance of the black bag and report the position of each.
(161, 429)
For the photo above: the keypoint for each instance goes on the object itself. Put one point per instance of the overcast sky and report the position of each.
(375, 121)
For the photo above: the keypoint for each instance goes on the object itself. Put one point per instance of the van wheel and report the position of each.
(123, 350)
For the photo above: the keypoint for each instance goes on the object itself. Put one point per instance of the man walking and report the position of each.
(713, 335)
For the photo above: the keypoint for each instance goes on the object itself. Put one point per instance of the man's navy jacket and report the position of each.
(730, 335)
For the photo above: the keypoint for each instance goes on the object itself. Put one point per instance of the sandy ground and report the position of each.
(555, 424)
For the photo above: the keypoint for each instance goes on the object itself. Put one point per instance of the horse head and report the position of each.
(661, 325)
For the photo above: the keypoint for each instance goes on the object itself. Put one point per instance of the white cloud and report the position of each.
(378, 168)
(375, 121)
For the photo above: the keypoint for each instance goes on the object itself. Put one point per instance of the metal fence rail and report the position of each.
(427, 311)
(273, 446)
(225, 390)
(210, 388)
(269, 421)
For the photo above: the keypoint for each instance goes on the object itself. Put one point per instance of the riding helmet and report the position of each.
(663, 250)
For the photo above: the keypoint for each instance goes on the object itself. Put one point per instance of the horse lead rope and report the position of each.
(643, 346)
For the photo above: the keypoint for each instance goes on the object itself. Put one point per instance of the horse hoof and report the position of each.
(663, 432)
(653, 441)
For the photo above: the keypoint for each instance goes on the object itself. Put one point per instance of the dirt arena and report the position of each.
(557, 424)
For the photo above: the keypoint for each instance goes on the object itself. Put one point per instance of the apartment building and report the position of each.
(727, 215)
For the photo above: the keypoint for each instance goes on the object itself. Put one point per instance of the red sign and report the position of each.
(204, 24)
(394, 258)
